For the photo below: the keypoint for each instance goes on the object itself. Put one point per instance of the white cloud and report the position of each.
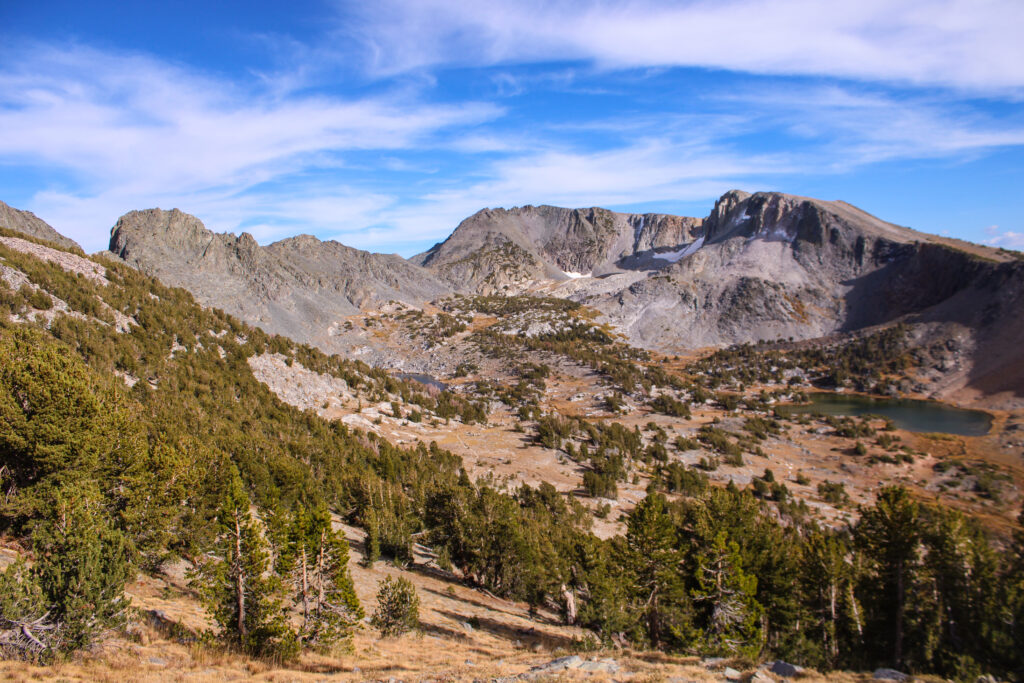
(1008, 239)
(693, 157)
(130, 131)
(646, 171)
(971, 44)
(854, 127)
(268, 216)
(135, 132)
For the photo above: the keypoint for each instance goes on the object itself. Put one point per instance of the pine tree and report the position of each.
(27, 630)
(1012, 652)
(827, 578)
(607, 591)
(398, 607)
(964, 571)
(83, 565)
(657, 587)
(315, 560)
(61, 423)
(240, 592)
(371, 544)
(889, 533)
(74, 591)
(731, 616)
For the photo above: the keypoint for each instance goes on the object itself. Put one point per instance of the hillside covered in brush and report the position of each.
(135, 435)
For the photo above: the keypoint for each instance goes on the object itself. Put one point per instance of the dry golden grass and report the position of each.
(465, 635)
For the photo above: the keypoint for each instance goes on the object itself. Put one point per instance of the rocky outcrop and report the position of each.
(760, 266)
(28, 223)
(770, 265)
(299, 287)
(509, 250)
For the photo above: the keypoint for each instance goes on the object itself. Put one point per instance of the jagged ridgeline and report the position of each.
(134, 432)
(763, 266)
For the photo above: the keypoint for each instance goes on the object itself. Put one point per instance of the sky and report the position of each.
(383, 124)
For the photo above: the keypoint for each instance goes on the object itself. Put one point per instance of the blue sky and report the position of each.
(383, 124)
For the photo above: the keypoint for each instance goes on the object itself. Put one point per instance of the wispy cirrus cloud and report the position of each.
(132, 131)
(1008, 239)
(856, 126)
(685, 157)
(294, 149)
(969, 44)
(648, 170)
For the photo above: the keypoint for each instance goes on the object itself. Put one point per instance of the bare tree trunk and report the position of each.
(239, 578)
(320, 571)
(856, 613)
(833, 645)
(305, 589)
(570, 604)
(897, 648)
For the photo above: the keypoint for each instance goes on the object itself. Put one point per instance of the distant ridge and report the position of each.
(28, 223)
(299, 287)
(761, 266)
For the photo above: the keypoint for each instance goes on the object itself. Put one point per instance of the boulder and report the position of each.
(781, 668)
(560, 664)
(606, 665)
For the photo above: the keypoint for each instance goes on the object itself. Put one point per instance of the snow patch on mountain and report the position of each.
(676, 256)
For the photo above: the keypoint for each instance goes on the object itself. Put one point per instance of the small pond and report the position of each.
(422, 379)
(910, 414)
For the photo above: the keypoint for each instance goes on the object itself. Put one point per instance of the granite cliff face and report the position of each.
(770, 265)
(506, 251)
(28, 223)
(761, 266)
(766, 266)
(299, 287)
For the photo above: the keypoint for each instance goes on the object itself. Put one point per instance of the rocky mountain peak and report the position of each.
(157, 229)
(763, 265)
(505, 250)
(28, 223)
(300, 287)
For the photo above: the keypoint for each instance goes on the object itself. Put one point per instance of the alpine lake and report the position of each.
(912, 415)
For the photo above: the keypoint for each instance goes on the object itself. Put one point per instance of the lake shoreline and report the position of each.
(911, 414)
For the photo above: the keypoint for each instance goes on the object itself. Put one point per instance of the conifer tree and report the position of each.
(658, 591)
(241, 594)
(606, 590)
(889, 533)
(398, 607)
(60, 424)
(83, 565)
(371, 544)
(448, 514)
(74, 591)
(724, 596)
(1013, 641)
(315, 560)
(827, 579)
(964, 573)
(27, 630)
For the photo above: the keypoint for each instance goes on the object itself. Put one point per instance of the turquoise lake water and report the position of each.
(910, 414)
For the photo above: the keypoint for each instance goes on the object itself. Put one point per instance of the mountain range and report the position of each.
(764, 266)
